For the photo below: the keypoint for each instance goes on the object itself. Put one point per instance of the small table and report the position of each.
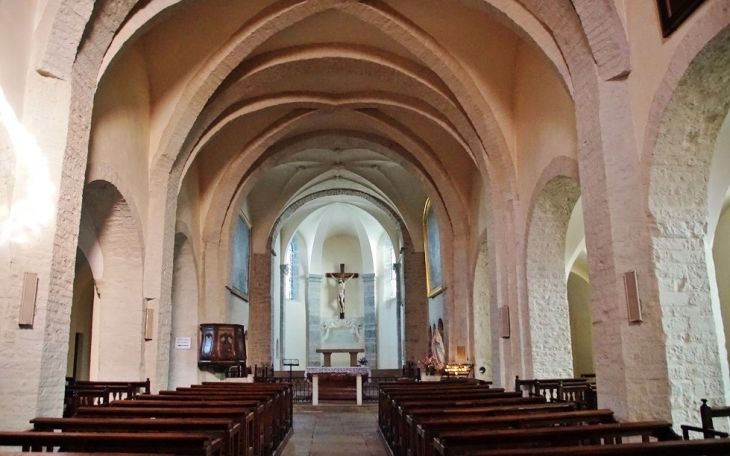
(315, 371)
(327, 352)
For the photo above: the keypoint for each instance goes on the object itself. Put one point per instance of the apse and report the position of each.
(336, 286)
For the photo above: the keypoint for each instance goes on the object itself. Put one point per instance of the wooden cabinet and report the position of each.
(221, 346)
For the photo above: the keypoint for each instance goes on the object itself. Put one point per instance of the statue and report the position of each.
(439, 351)
(341, 294)
(342, 278)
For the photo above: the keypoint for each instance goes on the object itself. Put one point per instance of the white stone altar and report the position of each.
(315, 371)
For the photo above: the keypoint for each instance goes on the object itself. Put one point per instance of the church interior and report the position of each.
(541, 185)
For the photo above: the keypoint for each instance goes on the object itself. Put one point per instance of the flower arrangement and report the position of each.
(363, 361)
(429, 364)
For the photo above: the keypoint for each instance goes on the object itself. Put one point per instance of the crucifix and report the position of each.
(342, 277)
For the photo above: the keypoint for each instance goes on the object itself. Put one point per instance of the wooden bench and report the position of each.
(472, 442)
(283, 390)
(243, 416)
(272, 422)
(95, 442)
(413, 433)
(547, 387)
(396, 425)
(715, 447)
(228, 431)
(430, 428)
(707, 415)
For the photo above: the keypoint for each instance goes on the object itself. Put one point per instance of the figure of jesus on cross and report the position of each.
(342, 278)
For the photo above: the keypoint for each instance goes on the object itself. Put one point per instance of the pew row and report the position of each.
(96, 442)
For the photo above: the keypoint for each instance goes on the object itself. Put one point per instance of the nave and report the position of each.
(335, 429)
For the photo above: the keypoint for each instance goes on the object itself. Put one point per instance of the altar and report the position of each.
(315, 372)
(327, 352)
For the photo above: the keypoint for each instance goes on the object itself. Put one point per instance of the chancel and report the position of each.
(537, 188)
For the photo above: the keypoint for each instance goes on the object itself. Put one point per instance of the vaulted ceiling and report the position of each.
(258, 103)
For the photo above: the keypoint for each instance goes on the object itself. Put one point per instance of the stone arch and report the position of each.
(78, 362)
(118, 347)
(482, 309)
(185, 313)
(547, 304)
(684, 124)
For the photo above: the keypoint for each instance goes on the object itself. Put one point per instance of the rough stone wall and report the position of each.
(482, 314)
(547, 293)
(259, 326)
(371, 322)
(416, 305)
(183, 363)
(121, 305)
(691, 319)
(313, 312)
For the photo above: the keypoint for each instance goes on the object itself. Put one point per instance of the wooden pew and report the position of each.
(414, 436)
(247, 437)
(284, 389)
(256, 428)
(389, 406)
(243, 416)
(228, 431)
(714, 447)
(387, 391)
(583, 394)
(399, 424)
(707, 415)
(428, 429)
(95, 442)
(137, 387)
(268, 421)
(396, 425)
(472, 442)
(547, 387)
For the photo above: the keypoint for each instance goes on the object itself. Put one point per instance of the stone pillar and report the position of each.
(371, 321)
(313, 310)
(399, 309)
(259, 321)
(282, 310)
(416, 305)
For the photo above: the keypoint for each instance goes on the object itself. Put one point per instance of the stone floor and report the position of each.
(333, 429)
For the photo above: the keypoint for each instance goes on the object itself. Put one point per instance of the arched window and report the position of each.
(291, 259)
(389, 269)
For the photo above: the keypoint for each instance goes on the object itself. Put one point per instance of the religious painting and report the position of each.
(672, 13)
(241, 258)
(432, 250)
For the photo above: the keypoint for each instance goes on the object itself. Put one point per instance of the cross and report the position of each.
(342, 277)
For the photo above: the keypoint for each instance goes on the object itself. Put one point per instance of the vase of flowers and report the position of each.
(363, 361)
(429, 371)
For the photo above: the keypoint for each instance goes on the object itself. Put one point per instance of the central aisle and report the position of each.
(330, 430)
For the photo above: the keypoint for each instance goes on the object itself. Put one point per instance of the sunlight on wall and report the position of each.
(32, 208)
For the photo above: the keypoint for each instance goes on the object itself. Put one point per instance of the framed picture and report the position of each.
(241, 253)
(432, 250)
(672, 13)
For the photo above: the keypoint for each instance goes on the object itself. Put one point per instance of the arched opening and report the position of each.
(184, 346)
(550, 335)
(685, 200)
(80, 335)
(117, 350)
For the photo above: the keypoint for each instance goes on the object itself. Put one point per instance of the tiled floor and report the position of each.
(335, 430)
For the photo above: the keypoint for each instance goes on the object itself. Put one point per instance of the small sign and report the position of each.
(182, 343)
